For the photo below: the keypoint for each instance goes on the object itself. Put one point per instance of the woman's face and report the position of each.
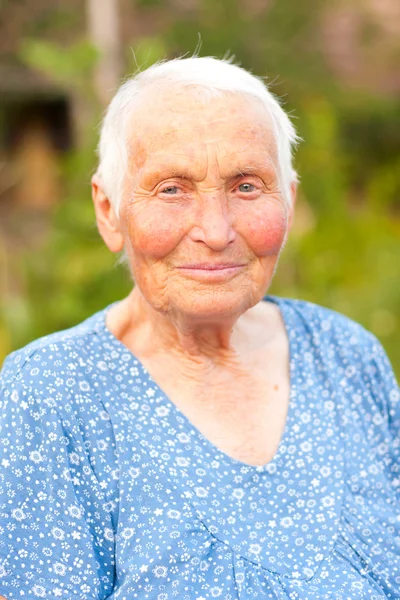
(202, 217)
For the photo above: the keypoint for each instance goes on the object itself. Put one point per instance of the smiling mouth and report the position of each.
(212, 272)
(212, 266)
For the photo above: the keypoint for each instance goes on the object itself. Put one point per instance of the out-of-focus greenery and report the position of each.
(344, 250)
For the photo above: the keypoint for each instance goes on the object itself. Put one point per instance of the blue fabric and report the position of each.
(108, 491)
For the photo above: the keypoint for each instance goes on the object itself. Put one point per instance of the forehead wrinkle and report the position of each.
(200, 128)
(202, 122)
(212, 163)
(246, 142)
(178, 157)
(218, 150)
(160, 166)
(179, 109)
(256, 160)
(173, 133)
(161, 153)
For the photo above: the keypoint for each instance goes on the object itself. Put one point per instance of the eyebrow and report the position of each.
(167, 172)
(179, 174)
(187, 176)
(244, 173)
(184, 172)
(252, 171)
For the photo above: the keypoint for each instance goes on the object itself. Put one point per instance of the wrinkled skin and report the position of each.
(203, 189)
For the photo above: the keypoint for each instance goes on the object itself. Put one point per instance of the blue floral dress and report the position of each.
(108, 491)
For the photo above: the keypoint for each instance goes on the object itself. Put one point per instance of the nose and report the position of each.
(213, 223)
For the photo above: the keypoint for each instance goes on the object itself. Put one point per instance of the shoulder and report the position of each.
(59, 384)
(350, 358)
(341, 343)
(350, 353)
(330, 327)
(57, 351)
(58, 375)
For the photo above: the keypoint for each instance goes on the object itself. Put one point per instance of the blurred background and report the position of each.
(336, 66)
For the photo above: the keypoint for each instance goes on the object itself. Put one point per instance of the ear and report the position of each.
(293, 193)
(107, 221)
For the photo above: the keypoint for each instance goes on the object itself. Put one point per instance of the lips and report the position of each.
(211, 272)
(212, 266)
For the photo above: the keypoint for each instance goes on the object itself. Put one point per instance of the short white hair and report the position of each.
(206, 76)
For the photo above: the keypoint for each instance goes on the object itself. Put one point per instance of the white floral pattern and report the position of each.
(108, 491)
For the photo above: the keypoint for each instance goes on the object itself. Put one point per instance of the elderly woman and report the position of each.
(200, 439)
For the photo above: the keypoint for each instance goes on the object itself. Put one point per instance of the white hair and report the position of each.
(207, 77)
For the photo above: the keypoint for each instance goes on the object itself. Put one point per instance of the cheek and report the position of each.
(266, 230)
(154, 234)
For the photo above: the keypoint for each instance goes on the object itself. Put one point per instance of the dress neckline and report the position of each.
(186, 424)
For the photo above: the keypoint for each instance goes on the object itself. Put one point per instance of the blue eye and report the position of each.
(246, 187)
(172, 189)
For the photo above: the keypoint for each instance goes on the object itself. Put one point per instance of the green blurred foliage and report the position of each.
(343, 251)
(72, 69)
(68, 68)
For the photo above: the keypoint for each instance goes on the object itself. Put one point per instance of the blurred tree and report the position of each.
(104, 34)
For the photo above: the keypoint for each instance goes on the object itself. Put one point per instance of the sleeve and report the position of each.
(382, 386)
(56, 533)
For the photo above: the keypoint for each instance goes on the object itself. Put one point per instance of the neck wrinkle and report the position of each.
(201, 342)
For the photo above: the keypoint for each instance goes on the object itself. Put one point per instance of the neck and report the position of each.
(199, 341)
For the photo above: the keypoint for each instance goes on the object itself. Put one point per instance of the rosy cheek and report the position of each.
(266, 230)
(155, 235)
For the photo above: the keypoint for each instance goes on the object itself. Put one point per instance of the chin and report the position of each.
(213, 304)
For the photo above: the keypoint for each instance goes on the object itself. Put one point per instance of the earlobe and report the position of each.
(107, 221)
